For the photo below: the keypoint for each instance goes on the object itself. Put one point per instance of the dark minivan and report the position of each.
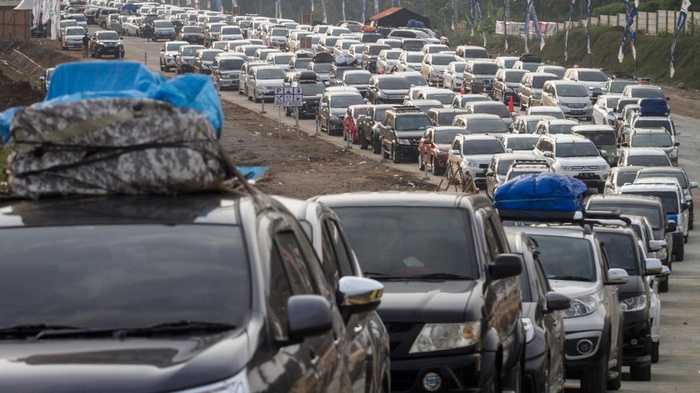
(207, 293)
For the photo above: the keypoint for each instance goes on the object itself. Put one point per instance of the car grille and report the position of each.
(581, 168)
(401, 333)
(576, 105)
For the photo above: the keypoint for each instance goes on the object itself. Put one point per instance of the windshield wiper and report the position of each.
(568, 278)
(440, 276)
(383, 276)
(23, 331)
(176, 327)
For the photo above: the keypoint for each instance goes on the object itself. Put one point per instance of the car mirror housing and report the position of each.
(505, 265)
(617, 277)
(693, 184)
(359, 294)
(656, 245)
(671, 227)
(653, 266)
(557, 302)
(308, 315)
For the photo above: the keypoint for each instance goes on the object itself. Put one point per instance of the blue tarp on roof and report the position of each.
(5, 123)
(127, 79)
(542, 192)
(653, 107)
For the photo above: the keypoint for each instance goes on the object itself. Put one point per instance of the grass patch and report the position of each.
(4, 152)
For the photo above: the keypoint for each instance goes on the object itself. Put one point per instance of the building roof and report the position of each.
(385, 13)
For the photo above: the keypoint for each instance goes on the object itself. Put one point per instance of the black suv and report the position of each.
(368, 127)
(208, 292)
(387, 89)
(400, 133)
(312, 90)
(451, 292)
(106, 42)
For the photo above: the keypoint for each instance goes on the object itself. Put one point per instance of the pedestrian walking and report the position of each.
(86, 45)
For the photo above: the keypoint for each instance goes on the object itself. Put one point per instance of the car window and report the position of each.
(621, 251)
(294, 263)
(566, 258)
(341, 249)
(277, 301)
(493, 239)
(329, 260)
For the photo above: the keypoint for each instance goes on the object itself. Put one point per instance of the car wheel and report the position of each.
(594, 379)
(395, 157)
(680, 253)
(641, 373)
(376, 146)
(655, 352)
(663, 285)
(363, 141)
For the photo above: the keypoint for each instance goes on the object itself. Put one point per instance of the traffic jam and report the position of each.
(158, 266)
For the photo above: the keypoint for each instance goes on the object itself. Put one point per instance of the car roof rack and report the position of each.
(405, 108)
(526, 161)
(586, 220)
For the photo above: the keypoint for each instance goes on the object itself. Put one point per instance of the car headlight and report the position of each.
(582, 306)
(634, 303)
(235, 384)
(404, 142)
(446, 336)
(529, 328)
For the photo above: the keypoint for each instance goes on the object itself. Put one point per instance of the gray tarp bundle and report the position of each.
(123, 146)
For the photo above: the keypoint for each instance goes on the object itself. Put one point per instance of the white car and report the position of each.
(655, 137)
(594, 79)
(434, 65)
(643, 156)
(388, 61)
(453, 77)
(169, 53)
(263, 81)
(576, 156)
(604, 109)
(73, 37)
(571, 97)
(474, 153)
(410, 61)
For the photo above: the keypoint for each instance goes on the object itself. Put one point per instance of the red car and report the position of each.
(434, 148)
(350, 122)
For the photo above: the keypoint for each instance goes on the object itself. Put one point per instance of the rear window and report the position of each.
(656, 139)
(445, 137)
(357, 78)
(443, 60)
(646, 92)
(514, 76)
(410, 241)
(393, 83)
(577, 149)
(652, 214)
(678, 175)
(650, 123)
(415, 122)
(668, 199)
(230, 64)
(499, 110)
(650, 160)
(522, 143)
(621, 251)
(124, 276)
(625, 177)
(572, 91)
(486, 126)
(600, 138)
(485, 69)
(592, 76)
(566, 258)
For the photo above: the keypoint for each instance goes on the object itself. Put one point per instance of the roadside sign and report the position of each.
(289, 96)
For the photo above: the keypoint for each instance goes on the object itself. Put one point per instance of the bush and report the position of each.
(609, 9)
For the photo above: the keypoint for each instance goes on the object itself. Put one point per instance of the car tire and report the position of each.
(376, 146)
(364, 144)
(680, 253)
(663, 285)
(395, 158)
(655, 352)
(594, 378)
(640, 373)
(615, 383)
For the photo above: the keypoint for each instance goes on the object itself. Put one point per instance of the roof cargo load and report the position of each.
(653, 107)
(114, 146)
(530, 58)
(540, 196)
(323, 57)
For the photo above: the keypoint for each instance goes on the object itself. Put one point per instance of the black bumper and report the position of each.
(535, 375)
(407, 153)
(636, 348)
(459, 373)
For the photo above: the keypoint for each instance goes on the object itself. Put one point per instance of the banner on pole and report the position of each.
(572, 6)
(678, 29)
(630, 32)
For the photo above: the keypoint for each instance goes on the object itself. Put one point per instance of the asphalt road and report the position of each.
(678, 370)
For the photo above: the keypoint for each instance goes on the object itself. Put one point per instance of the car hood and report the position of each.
(74, 37)
(428, 301)
(395, 92)
(120, 366)
(574, 100)
(582, 161)
(269, 83)
(480, 158)
(573, 289)
(410, 134)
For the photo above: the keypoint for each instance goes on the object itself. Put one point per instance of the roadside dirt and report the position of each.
(16, 92)
(302, 166)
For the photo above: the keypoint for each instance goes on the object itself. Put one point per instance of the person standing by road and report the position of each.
(86, 45)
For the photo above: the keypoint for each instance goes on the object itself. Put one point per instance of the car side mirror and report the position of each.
(505, 265)
(617, 277)
(656, 245)
(359, 294)
(671, 227)
(693, 184)
(665, 271)
(308, 315)
(653, 266)
(456, 152)
(557, 302)
(548, 154)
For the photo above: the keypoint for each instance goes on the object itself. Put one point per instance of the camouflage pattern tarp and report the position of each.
(122, 146)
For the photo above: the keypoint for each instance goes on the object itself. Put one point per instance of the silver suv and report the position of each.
(576, 156)
(576, 266)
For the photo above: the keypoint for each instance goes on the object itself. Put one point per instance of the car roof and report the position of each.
(446, 128)
(649, 131)
(553, 230)
(514, 156)
(403, 199)
(425, 102)
(447, 110)
(560, 121)
(626, 199)
(649, 187)
(562, 82)
(487, 103)
(569, 138)
(545, 109)
(468, 137)
(519, 136)
(479, 116)
(645, 151)
(657, 180)
(592, 127)
(628, 168)
(662, 169)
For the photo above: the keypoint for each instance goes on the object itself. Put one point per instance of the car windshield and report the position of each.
(446, 137)
(625, 177)
(380, 114)
(572, 91)
(78, 17)
(476, 54)
(191, 50)
(345, 101)
(621, 251)
(651, 139)
(516, 174)
(498, 109)
(647, 92)
(312, 89)
(566, 258)
(446, 118)
(619, 86)
(600, 138)
(281, 59)
(391, 241)
(514, 76)
(444, 98)
(560, 128)
(228, 30)
(592, 76)
(375, 49)
(417, 58)
(230, 64)
(108, 35)
(652, 213)
(330, 41)
(443, 59)
(531, 67)
(322, 67)
(482, 146)
(280, 32)
(191, 29)
(124, 276)
(522, 143)
(412, 122)
(209, 55)
(357, 78)
(301, 64)
(557, 114)
(393, 83)
(504, 165)
(612, 101)
(75, 31)
(362, 110)
(174, 47)
(269, 73)
(485, 69)
(648, 160)
(652, 123)
(669, 199)
(161, 24)
(486, 126)
(678, 175)
(577, 149)
(415, 80)
(393, 55)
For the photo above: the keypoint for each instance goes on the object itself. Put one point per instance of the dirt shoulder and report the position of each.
(302, 166)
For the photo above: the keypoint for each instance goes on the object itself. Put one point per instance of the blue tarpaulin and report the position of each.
(653, 107)
(127, 79)
(547, 192)
(5, 123)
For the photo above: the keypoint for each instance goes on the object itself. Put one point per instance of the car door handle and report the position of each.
(313, 358)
